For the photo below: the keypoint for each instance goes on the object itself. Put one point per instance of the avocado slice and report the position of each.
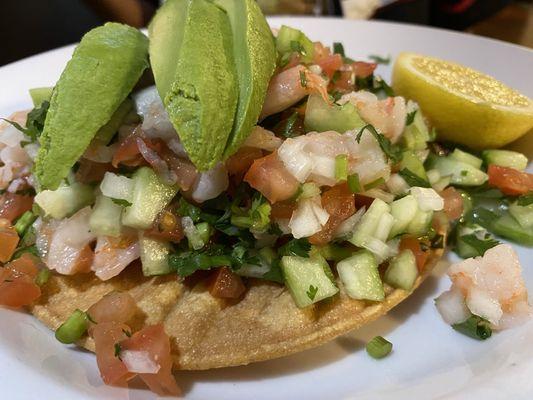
(103, 70)
(255, 59)
(191, 52)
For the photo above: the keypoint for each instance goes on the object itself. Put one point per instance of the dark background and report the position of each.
(33, 26)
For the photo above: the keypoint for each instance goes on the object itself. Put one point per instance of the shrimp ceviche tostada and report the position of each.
(220, 193)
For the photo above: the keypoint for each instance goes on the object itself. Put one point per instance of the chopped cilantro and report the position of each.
(118, 350)
(296, 247)
(288, 126)
(413, 179)
(354, 184)
(42, 276)
(127, 333)
(338, 48)
(474, 327)
(275, 274)
(409, 119)
(121, 202)
(298, 48)
(311, 292)
(186, 209)
(394, 153)
(379, 59)
(34, 122)
(303, 79)
(374, 184)
(464, 173)
(525, 200)
(480, 245)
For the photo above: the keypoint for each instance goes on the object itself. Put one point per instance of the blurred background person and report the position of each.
(34, 26)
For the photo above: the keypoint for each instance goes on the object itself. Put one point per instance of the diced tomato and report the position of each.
(340, 204)
(117, 307)
(14, 205)
(343, 81)
(9, 240)
(453, 203)
(107, 340)
(17, 286)
(413, 244)
(242, 160)
(363, 201)
(154, 341)
(330, 64)
(269, 176)
(509, 180)
(166, 227)
(226, 284)
(282, 210)
(363, 69)
(92, 172)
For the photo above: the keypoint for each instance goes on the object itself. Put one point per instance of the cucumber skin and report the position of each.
(523, 215)
(360, 278)
(286, 35)
(508, 227)
(321, 116)
(300, 273)
(402, 271)
(467, 158)
(150, 196)
(506, 158)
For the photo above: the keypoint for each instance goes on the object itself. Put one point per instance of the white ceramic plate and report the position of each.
(430, 360)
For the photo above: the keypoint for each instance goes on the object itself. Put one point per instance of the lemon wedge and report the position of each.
(464, 105)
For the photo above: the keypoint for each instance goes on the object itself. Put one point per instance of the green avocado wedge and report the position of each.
(191, 53)
(255, 60)
(103, 70)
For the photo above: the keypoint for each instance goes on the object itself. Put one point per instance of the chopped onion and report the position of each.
(397, 185)
(117, 186)
(348, 225)
(308, 218)
(428, 199)
(109, 260)
(379, 194)
(296, 160)
(452, 307)
(139, 362)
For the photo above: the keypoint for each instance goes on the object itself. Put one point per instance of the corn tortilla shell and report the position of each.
(209, 333)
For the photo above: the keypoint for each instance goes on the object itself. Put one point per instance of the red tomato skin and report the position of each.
(14, 205)
(509, 180)
(225, 284)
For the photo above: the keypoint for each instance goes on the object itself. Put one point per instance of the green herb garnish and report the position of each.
(338, 48)
(341, 167)
(73, 328)
(413, 179)
(409, 119)
(296, 247)
(42, 276)
(474, 327)
(525, 200)
(303, 79)
(121, 202)
(24, 222)
(34, 122)
(354, 184)
(379, 59)
(374, 184)
(394, 153)
(311, 292)
(118, 350)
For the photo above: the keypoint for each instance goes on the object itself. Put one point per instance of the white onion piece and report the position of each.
(117, 186)
(139, 362)
(428, 199)
(210, 184)
(308, 219)
(452, 307)
(295, 158)
(348, 225)
(380, 194)
(397, 185)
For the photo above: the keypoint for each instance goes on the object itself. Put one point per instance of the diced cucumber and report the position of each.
(321, 116)
(523, 214)
(420, 224)
(65, 200)
(403, 210)
(413, 164)
(461, 173)
(117, 187)
(384, 227)
(360, 277)
(106, 217)
(467, 158)
(308, 279)
(508, 227)
(506, 158)
(106, 132)
(402, 271)
(416, 135)
(368, 225)
(289, 37)
(154, 256)
(150, 196)
(40, 94)
(331, 252)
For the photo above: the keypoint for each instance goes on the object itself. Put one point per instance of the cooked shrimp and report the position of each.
(15, 160)
(113, 255)
(289, 87)
(261, 138)
(388, 115)
(492, 287)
